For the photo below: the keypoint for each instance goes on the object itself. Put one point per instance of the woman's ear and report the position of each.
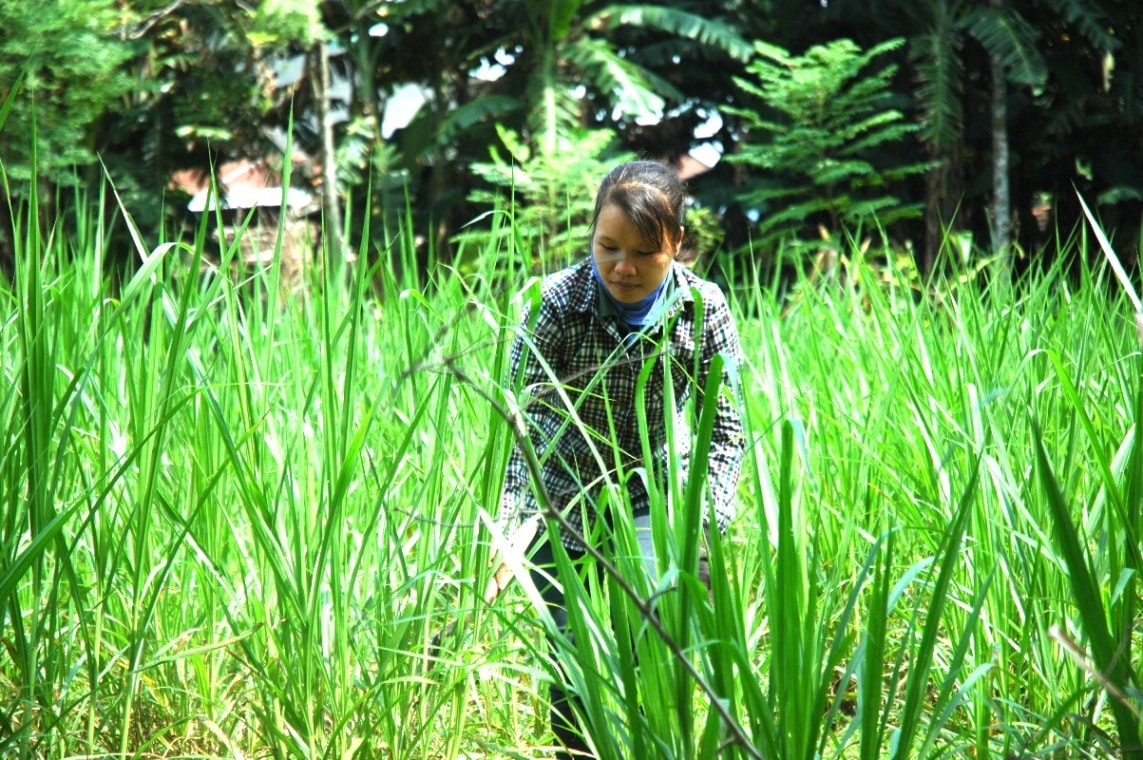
(680, 239)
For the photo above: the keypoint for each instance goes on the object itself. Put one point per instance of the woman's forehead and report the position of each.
(616, 224)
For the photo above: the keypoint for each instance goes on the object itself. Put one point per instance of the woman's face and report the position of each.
(631, 266)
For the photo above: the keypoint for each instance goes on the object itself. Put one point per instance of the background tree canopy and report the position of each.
(1000, 110)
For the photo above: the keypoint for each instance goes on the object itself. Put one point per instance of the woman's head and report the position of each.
(637, 228)
(651, 195)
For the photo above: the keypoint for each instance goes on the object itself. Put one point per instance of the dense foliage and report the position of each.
(422, 94)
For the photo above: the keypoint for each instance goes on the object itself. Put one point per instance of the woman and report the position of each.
(579, 359)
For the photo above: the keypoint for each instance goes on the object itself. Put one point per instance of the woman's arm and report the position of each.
(537, 343)
(728, 445)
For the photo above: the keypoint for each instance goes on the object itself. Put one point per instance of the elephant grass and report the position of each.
(233, 527)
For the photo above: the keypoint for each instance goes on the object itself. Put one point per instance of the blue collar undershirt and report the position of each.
(634, 315)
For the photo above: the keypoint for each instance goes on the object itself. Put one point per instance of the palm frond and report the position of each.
(940, 76)
(1089, 20)
(563, 13)
(1008, 36)
(491, 107)
(687, 25)
(610, 73)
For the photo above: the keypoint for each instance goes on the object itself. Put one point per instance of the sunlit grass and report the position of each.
(232, 527)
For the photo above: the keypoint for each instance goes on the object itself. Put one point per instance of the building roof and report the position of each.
(242, 184)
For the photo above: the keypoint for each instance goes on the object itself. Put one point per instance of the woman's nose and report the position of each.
(625, 265)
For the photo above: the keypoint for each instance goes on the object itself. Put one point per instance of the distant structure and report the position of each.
(248, 192)
(691, 165)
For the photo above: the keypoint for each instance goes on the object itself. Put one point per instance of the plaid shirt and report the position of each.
(593, 362)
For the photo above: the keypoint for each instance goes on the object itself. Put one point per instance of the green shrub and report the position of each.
(826, 141)
(552, 196)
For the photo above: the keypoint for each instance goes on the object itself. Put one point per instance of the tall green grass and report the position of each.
(233, 524)
(230, 528)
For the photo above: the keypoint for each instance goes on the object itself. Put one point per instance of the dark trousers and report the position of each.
(564, 725)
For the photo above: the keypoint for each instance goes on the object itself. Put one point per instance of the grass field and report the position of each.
(232, 528)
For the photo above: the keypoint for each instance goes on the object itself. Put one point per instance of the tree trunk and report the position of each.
(1001, 193)
(332, 233)
(934, 217)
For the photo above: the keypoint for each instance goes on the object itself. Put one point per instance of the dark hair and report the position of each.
(650, 194)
